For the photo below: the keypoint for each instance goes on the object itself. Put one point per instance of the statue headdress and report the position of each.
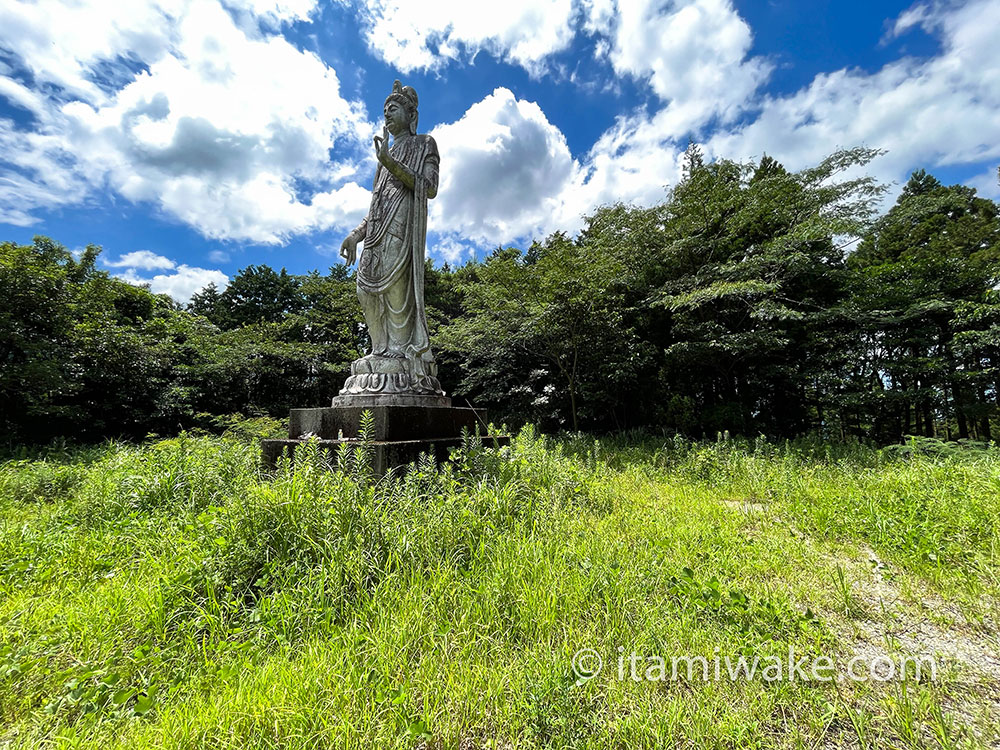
(406, 96)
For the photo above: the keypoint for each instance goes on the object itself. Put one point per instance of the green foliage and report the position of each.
(924, 301)
(78, 357)
(557, 310)
(88, 356)
(918, 500)
(730, 306)
(39, 481)
(246, 429)
(257, 294)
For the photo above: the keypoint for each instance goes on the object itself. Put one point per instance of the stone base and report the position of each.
(390, 421)
(368, 401)
(386, 455)
(377, 376)
(400, 432)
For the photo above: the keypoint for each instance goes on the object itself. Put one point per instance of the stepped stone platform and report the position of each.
(404, 427)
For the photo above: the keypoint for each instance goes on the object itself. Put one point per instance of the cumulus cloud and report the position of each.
(691, 53)
(633, 162)
(203, 110)
(504, 168)
(185, 104)
(927, 113)
(942, 111)
(451, 250)
(423, 34)
(987, 183)
(144, 259)
(181, 284)
(507, 173)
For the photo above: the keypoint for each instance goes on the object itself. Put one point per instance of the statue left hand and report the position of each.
(349, 250)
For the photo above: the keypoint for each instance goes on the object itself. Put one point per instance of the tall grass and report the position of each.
(170, 594)
(927, 503)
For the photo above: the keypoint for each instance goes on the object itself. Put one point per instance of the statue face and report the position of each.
(397, 119)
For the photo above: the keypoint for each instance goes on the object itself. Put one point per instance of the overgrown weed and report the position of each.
(172, 594)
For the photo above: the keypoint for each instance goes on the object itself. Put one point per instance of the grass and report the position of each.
(170, 595)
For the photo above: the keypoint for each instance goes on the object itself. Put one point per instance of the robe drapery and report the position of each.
(391, 270)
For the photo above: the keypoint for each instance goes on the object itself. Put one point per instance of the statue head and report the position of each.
(406, 97)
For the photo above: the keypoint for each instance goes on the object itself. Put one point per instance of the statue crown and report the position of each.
(406, 95)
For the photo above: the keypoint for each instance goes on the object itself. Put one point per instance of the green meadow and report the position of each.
(170, 594)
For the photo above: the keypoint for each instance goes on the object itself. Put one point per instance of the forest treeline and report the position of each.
(752, 300)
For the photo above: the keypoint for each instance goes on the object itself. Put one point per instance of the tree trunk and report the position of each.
(963, 423)
(572, 403)
(906, 408)
(928, 420)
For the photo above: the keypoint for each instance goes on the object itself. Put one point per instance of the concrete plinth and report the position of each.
(386, 455)
(400, 433)
(367, 401)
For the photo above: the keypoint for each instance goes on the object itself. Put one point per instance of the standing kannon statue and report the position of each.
(391, 271)
(396, 383)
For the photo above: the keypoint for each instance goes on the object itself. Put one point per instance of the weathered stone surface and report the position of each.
(391, 269)
(368, 401)
(399, 433)
(389, 422)
(386, 455)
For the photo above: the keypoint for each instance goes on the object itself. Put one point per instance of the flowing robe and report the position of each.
(391, 274)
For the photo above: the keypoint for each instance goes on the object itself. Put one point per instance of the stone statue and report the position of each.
(391, 271)
(396, 384)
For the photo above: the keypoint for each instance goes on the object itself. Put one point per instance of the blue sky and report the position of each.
(191, 138)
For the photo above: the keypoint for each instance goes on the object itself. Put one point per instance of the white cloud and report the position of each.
(276, 11)
(219, 256)
(451, 249)
(181, 284)
(422, 34)
(205, 112)
(21, 96)
(60, 43)
(932, 113)
(918, 15)
(507, 174)
(692, 54)
(39, 175)
(504, 167)
(224, 126)
(987, 184)
(926, 113)
(144, 259)
(630, 163)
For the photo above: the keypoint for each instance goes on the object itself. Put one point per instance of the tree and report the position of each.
(559, 311)
(924, 297)
(751, 278)
(208, 304)
(257, 294)
(77, 357)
